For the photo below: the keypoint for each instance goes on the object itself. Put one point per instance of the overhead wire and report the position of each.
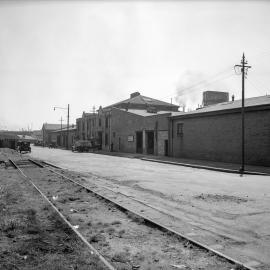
(255, 86)
(205, 81)
(260, 83)
(194, 89)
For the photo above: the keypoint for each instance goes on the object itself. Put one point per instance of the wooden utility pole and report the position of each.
(61, 120)
(67, 125)
(61, 135)
(244, 69)
(67, 121)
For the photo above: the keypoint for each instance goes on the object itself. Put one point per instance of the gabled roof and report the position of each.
(53, 126)
(144, 113)
(230, 105)
(142, 100)
(65, 129)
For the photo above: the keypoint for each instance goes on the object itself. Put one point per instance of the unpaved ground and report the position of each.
(32, 237)
(198, 197)
(122, 238)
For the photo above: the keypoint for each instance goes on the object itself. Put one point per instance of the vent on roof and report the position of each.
(135, 94)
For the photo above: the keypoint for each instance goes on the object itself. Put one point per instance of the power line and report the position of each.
(257, 88)
(260, 83)
(206, 84)
(205, 81)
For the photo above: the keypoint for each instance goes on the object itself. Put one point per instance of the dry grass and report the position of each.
(33, 237)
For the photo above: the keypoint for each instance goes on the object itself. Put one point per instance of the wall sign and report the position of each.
(130, 138)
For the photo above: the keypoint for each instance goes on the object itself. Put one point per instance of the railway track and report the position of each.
(17, 165)
(97, 192)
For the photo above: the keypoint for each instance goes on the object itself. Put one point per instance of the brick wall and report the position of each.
(125, 124)
(218, 137)
(162, 136)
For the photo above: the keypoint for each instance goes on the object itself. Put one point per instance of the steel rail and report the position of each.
(159, 225)
(36, 163)
(80, 236)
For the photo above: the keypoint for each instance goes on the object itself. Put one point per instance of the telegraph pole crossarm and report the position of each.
(244, 69)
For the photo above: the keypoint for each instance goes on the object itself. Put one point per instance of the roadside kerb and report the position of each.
(204, 167)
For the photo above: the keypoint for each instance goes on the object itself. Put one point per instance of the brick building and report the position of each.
(214, 132)
(138, 124)
(136, 131)
(59, 137)
(56, 134)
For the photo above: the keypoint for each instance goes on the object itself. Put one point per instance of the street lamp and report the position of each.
(61, 108)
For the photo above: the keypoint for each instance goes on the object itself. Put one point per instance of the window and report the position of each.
(106, 122)
(99, 122)
(114, 134)
(180, 129)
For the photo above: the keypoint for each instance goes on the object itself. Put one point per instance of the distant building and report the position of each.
(11, 139)
(46, 132)
(63, 138)
(37, 134)
(214, 132)
(138, 125)
(8, 140)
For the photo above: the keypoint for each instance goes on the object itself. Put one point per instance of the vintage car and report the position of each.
(85, 146)
(52, 145)
(23, 146)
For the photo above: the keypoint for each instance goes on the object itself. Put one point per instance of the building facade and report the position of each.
(63, 138)
(135, 131)
(214, 132)
(46, 132)
(136, 125)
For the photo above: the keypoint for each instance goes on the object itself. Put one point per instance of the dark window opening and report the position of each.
(99, 122)
(180, 129)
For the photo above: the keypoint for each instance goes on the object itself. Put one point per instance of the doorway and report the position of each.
(139, 142)
(166, 148)
(150, 142)
(100, 138)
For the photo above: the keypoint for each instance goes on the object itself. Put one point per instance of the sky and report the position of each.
(96, 53)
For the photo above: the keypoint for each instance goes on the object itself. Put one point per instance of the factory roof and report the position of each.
(230, 105)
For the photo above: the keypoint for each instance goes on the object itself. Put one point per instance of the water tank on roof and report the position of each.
(214, 97)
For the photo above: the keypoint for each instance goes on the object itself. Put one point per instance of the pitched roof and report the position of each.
(144, 113)
(53, 126)
(65, 128)
(249, 102)
(139, 99)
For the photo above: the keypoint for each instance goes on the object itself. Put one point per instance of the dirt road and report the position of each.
(234, 207)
